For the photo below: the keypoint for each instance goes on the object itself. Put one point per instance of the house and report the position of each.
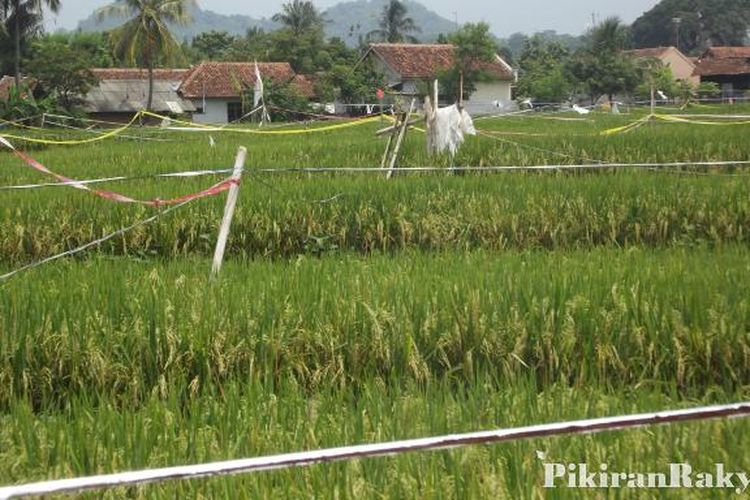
(682, 66)
(729, 67)
(121, 92)
(9, 82)
(407, 66)
(218, 89)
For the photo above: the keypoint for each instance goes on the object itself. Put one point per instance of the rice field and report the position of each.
(353, 309)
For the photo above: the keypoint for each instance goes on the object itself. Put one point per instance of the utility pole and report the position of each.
(677, 21)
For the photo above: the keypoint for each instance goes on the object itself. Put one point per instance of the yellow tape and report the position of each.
(80, 141)
(677, 119)
(328, 128)
(626, 128)
(18, 124)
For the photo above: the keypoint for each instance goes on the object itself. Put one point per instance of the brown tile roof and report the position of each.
(726, 52)
(305, 85)
(224, 79)
(649, 52)
(9, 82)
(724, 61)
(427, 60)
(174, 75)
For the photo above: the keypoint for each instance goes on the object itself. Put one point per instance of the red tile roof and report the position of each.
(174, 75)
(724, 61)
(427, 60)
(224, 79)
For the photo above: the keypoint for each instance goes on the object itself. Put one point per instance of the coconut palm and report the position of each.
(24, 15)
(299, 16)
(394, 25)
(609, 36)
(145, 38)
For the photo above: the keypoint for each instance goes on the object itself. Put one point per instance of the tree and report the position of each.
(29, 25)
(542, 67)
(93, 46)
(394, 25)
(212, 45)
(601, 67)
(300, 17)
(61, 73)
(145, 38)
(702, 23)
(24, 14)
(352, 86)
(657, 77)
(474, 45)
(609, 36)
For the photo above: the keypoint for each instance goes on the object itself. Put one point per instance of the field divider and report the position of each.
(348, 453)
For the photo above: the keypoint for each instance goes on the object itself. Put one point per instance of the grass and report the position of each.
(353, 310)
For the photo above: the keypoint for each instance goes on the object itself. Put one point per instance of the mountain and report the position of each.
(347, 20)
(350, 20)
(203, 20)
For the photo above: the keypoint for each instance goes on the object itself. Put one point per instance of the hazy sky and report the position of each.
(505, 16)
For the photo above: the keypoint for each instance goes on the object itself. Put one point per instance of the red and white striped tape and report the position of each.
(117, 197)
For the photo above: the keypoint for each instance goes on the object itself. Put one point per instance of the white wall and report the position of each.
(215, 111)
(484, 99)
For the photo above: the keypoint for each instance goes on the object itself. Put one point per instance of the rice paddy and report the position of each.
(353, 309)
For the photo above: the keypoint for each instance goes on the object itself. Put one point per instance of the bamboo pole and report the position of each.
(226, 222)
(400, 139)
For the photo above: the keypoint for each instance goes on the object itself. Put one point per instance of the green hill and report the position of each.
(348, 21)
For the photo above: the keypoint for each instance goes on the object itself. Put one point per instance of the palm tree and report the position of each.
(395, 26)
(145, 38)
(609, 36)
(299, 16)
(24, 14)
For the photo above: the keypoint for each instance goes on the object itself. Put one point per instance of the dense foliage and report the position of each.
(694, 25)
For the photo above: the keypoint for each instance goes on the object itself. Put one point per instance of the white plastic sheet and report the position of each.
(448, 128)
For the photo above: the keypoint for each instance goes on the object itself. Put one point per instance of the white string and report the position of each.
(80, 249)
(348, 453)
(196, 173)
(499, 169)
(378, 170)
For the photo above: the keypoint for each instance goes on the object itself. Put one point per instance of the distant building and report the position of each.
(729, 67)
(121, 92)
(218, 89)
(406, 66)
(9, 82)
(682, 66)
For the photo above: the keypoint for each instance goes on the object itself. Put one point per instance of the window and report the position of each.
(234, 111)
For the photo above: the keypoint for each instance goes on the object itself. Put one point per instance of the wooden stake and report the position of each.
(387, 152)
(653, 99)
(461, 91)
(400, 139)
(226, 222)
